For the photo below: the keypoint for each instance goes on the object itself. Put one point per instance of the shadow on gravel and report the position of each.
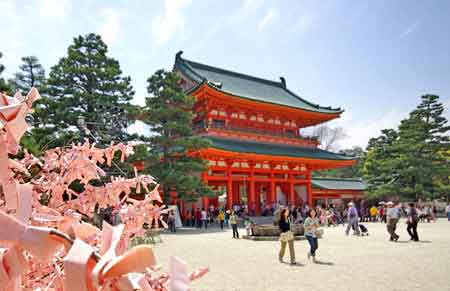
(324, 263)
(297, 264)
(424, 241)
(196, 231)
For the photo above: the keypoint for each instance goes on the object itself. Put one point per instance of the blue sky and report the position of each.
(373, 58)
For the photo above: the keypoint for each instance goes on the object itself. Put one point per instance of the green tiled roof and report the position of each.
(338, 184)
(251, 147)
(246, 86)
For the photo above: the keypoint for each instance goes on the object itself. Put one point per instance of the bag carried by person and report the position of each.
(286, 236)
(319, 233)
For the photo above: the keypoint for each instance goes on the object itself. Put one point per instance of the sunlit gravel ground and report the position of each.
(347, 262)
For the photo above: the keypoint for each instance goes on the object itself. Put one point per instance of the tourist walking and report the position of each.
(198, 218)
(234, 226)
(204, 218)
(373, 213)
(447, 209)
(413, 219)
(352, 219)
(171, 222)
(188, 218)
(434, 213)
(221, 218)
(286, 236)
(392, 216)
(311, 225)
(227, 217)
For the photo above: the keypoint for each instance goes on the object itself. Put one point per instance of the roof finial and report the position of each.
(178, 55)
(283, 82)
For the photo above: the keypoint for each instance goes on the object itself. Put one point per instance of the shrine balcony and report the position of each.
(256, 134)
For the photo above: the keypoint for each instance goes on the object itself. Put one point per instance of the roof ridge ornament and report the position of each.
(178, 54)
(283, 82)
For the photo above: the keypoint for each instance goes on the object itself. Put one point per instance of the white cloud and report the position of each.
(55, 8)
(268, 18)
(170, 22)
(248, 7)
(360, 131)
(410, 29)
(303, 24)
(110, 25)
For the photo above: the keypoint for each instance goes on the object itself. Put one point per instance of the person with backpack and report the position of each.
(413, 219)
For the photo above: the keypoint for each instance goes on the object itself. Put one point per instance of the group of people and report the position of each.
(393, 214)
(311, 225)
(201, 218)
(313, 219)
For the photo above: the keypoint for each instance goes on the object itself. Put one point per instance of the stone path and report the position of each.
(348, 263)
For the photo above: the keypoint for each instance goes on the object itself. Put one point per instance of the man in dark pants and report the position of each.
(413, 219)
(234, 226)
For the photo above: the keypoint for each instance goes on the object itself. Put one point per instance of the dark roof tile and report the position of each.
(246, 86)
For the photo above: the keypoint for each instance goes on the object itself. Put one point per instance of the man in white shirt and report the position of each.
(392, 216)
(204, 218)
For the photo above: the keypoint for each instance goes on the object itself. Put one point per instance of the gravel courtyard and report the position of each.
(347, 263)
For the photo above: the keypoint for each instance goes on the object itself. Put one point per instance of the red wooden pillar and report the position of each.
(273, 194)
(205, 202)
(309, 190)
(291, 192)
(229, 192)
(251, 197)
(258, 198)
(284, 188)
(236, 194)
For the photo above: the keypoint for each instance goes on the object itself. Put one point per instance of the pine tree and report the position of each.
(422, 138)
(412, 162)
(377, 168)
(31, 74)
(87, 96)
(169, 114)
(4, 86)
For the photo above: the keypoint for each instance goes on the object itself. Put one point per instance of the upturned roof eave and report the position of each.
(202, 80)
(206, 83)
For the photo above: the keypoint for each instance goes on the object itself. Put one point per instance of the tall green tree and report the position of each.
(31, 74)
(412, 162)
(87, 96)
(378, 168)
(4, 86)
(168, 112)
(422, 138)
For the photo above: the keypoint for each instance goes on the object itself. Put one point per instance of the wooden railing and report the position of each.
(246, 131)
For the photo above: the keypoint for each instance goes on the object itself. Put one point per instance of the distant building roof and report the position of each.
(246, 86)
(338, 184)
(245, 146)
